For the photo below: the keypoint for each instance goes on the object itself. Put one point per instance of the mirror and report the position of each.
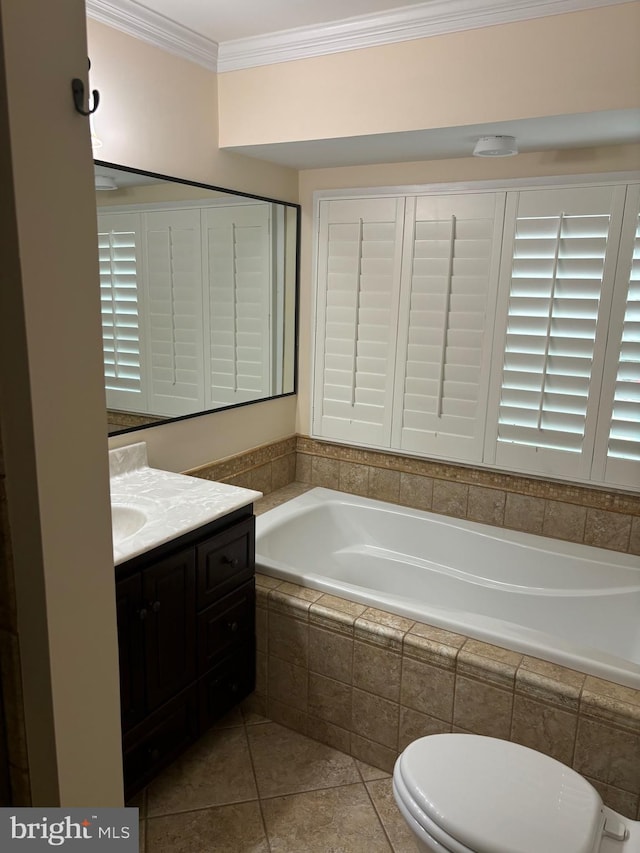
(198, 290)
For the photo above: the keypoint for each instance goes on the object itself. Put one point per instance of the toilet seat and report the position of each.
(475, 794)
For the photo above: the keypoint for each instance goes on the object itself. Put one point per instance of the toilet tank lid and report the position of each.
(494, 796)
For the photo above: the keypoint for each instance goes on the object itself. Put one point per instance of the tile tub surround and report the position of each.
(266, 468)
(368, 682)
(603, 518)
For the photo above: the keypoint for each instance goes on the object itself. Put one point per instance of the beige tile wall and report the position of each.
(267, 468)
(603, 518)
(369, 682)
(606, 519)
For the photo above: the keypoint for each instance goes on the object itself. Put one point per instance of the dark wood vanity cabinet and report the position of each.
(186, 635)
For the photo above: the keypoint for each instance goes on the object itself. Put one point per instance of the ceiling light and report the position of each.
(104, 182)
(495, 146)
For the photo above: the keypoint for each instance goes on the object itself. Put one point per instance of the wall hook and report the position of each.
(77, 87)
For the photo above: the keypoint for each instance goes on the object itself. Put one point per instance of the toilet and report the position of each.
(463, 793)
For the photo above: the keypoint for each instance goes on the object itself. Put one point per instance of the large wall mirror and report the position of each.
(198, 289)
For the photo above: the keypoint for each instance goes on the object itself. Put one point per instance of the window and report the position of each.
(498, 328)
(559, 259)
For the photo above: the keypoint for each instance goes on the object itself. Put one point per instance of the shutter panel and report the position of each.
(119, 261)
(618, 461)
(173, 279)
(558, 263)
(238, 298)
(358, 287)
(450, 266)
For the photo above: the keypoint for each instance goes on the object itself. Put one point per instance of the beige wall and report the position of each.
(55, 463)
(159, 112)
(573, 63)
(550, 163)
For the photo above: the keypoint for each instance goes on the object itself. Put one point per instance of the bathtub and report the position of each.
(570, 604)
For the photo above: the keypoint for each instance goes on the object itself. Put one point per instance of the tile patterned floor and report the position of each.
(252, 786)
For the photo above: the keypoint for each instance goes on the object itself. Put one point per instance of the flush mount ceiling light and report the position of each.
(495, 146)
(104, 182)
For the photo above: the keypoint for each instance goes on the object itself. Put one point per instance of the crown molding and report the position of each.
(143, 24)
(431, 18)
(435, 17)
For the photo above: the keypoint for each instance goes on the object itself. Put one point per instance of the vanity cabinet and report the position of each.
(186, 634)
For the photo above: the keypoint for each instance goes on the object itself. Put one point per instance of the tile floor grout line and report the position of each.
(378, 815)
(255, 780)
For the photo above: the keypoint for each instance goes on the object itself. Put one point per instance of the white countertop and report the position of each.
(172, 504)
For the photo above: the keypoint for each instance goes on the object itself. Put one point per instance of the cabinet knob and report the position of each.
(155, 606)
(154, 753)
(142, 614)
(233, 627)
(234, 562)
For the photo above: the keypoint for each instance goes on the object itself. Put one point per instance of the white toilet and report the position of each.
(464, 793)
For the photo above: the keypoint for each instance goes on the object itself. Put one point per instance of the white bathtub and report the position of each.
(570, 604)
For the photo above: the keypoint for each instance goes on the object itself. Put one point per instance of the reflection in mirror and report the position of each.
(198, 296)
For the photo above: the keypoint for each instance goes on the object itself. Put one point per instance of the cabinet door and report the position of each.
(169, 593)
(225, 561)
(131, 617)
(229, 623)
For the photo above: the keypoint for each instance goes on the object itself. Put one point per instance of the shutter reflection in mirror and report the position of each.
(173, 282)
(120, 270)
(238, 299)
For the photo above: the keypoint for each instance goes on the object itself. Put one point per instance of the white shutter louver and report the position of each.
(238, 289)
(450, 266)
(559, 272)
(624, 436)
(173, 273)
(119, 265)
(359, 277)
(617, 459)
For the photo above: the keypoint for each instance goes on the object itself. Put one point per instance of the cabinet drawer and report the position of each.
(229, 623)
(229, 682)
(225, 561)
(159, 739)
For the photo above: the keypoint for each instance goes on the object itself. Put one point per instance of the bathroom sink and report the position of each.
(125, 521)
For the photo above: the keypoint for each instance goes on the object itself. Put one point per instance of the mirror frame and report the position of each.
(296, 322)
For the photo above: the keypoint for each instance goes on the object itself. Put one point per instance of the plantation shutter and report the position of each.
(358, 287)
(618, 462)
(173, 290)
(238, 295)
(450, 266)
(119, 263)
(558, 269)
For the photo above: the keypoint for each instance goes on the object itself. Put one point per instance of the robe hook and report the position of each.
(77, 87)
